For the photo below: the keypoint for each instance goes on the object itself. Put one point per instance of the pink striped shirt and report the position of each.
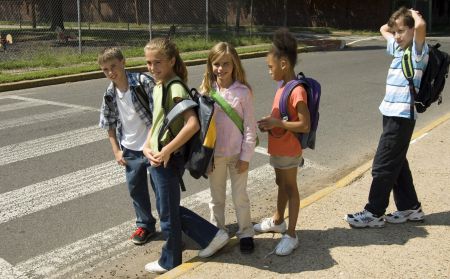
(230, 140)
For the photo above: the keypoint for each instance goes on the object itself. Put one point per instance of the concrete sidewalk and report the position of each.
(329, 248)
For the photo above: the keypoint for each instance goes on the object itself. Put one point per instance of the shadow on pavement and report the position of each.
(315, 245)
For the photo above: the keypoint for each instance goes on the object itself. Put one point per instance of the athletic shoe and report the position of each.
(141, 236)
(268, 225)
(246, 245)
(154, 267)
(364, 219)
(220, 240)
(415, 215)
(286, 245)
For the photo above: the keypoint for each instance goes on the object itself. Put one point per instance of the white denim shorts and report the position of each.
(285, 162)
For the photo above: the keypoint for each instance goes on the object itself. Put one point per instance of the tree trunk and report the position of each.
(136, 8)
(33, 14)
(238, 16)
(56, 14)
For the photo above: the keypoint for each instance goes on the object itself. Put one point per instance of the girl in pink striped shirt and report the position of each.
(234, 149)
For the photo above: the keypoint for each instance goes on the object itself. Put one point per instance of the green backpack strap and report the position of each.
(408, 72)
(232, 114)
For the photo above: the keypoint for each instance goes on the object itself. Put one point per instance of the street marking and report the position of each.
(18, 106)
(306, 165)
(27, 120)
(418, 138)
(46, 102)
(46, 145)
(42, 195)
(7, 271)
(362, 40)
(99, 248)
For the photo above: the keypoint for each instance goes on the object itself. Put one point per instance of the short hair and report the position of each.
(108, 54)
(405, 15)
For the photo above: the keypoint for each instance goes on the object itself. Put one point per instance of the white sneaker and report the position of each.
(154, 267)
(364, 219)
(220, 240)
(286, 245)
(398, 217)
(268, 225)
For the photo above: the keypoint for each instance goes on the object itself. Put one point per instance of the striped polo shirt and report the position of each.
(397, 99)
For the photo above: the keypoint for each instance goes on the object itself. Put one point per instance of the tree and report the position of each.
(56, 15)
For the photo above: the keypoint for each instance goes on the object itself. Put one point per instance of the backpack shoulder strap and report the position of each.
(283, 104)
(142, 96)
(408, 72)
(232, 114)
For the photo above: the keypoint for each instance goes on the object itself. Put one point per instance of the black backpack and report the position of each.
(433, 78)
(198, 152)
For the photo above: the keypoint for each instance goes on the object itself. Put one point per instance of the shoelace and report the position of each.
(138, 232)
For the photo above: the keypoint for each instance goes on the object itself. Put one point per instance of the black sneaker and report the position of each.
(141, 236)
(246, 245)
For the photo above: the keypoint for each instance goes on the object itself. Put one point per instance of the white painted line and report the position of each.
(18, 106)
(32, 119)
(419, 138)
(85, 253)
(45, 102)
(308, 163)
(362, 40)
(7, 271)
(42, 195)
(261, 150)
(41, 146)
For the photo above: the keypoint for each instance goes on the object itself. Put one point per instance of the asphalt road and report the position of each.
(63, 201)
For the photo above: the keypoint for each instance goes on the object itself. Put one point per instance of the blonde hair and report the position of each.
(108, 54)
(215, 53)
(168, 48)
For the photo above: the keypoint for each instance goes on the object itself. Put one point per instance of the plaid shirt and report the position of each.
(109, 112)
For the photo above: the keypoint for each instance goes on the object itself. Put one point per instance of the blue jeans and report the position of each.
(174, 218)
(136, 176)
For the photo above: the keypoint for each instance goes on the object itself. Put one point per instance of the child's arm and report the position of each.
(420, 30)
(149, 153)
(300, 126)
(386, 32)
(190, 127)
(118, 154)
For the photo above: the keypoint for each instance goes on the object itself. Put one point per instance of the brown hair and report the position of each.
(404, 14)
(215, 53)
(108, 54)
(168, 48)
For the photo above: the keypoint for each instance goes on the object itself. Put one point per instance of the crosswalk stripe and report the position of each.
(32, 119)
(41, 146)
(46, 102)
(18, 106)
(78, 256)
(42, 195)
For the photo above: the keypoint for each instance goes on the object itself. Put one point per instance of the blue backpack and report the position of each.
(313, 92)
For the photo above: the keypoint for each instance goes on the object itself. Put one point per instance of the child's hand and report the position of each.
(268, 123)
(149, 154)
(242, 166)
(163, 157)
(119, 158)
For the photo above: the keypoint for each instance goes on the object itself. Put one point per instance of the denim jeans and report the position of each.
(174, 218)
(136, 176)
(390, 170)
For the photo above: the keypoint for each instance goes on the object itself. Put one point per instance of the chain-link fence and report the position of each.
(81, 26)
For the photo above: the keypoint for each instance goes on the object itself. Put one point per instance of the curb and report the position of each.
(313, 45)
(341, 183)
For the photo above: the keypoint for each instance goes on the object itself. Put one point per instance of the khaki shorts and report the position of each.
(285, 162)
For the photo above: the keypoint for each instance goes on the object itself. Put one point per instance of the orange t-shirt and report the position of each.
(281, 141)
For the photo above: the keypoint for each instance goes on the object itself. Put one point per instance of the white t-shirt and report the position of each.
(133, 127)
